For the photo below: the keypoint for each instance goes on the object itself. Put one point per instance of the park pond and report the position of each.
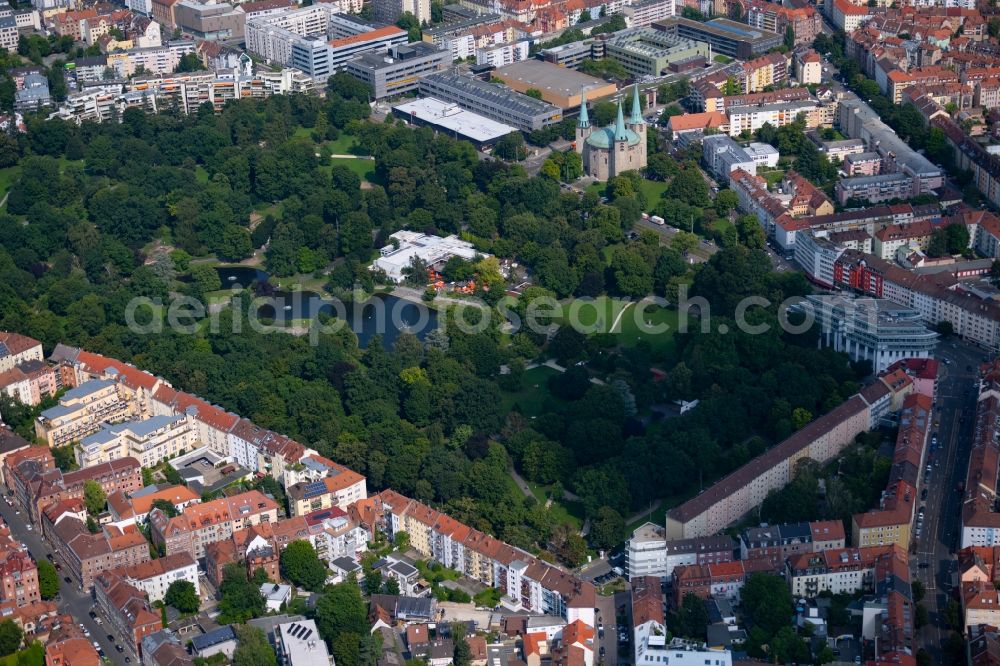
(382, 314)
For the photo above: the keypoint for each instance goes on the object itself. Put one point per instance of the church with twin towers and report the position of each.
(609, 151)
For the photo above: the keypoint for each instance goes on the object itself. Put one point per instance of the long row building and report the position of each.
(980, 518)
(736, 494)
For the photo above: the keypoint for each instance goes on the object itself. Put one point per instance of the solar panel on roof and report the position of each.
(314, 489)
(4, 351)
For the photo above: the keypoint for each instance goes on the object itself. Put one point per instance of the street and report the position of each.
(71, 600)
(935, 560)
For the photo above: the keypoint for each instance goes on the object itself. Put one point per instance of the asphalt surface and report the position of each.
(934, 561)
(71, 600)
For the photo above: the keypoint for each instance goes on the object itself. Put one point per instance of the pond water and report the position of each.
(381, 314)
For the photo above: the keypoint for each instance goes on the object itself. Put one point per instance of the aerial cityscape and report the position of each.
(499, 332)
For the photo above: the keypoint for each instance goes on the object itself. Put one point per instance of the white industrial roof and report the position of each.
(455, 118)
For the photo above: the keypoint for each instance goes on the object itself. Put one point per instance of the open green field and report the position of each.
(530, 399)
(364, 168)
(8, 177)
(346, 144)
(653, 191)
(633, 324)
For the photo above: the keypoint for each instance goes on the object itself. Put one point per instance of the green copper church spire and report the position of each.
(584, 121)
(636, 118)
(620, 134)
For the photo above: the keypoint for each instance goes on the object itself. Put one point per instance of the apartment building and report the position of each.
(737, 493)
(722, 156)
(16, 349)
(646, 552)
(18, 577)
(646, 12)
(130, 509)
(341, 488)
(874, 189)
(155, 576)
(87, 555)
(504, 54)
(538, 587)
(724, 580)
(389, 11)
(29, 382)
(808, 67)
(935, 297)
(806, 23)
(776, 543)
(334, 534)
(862, 164)
(257, 546)
(201, 524)
(769, 70)
(82, 410)
(129, 614)
(838, 571)
(150, 59)
(752, 118)
(400, 70)
(213, 423)
(649, 633)
(980, 519)
(150, 441)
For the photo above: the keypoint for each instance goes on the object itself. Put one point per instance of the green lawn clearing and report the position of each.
(773, 177)
(653, 190)
(8, 177)
(533, 394)
(637, 319)
(363, 167)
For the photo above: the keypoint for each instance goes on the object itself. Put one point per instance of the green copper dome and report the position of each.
(604, 137)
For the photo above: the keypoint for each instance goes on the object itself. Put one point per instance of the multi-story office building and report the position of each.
(649, 52)
(400, 70)
(498, 103)
(736, 40)
(871, 329)
(722, 156)
(212, 21)
(317, 40)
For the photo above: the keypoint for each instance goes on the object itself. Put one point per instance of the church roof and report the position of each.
(604, 137)
(584, 121)
(636, 117)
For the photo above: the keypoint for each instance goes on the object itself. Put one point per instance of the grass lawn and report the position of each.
(652, 315)
(273, 209)
(773, 177)
(364, 168)
(8, 177)
(721, 224)
(345, 145)
(563, 511)
(653, 189)
(533, 394)
(722, 59)
(303, 133)
(200, 174)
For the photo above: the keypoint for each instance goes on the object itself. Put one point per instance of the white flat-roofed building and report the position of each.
(872, 329)
(299, 644)
(454, 120)
(647, 552)
(763, 154)
(432, 250)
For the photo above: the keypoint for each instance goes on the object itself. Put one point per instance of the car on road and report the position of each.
(119, 648)
(49, 556)
(67, 579)
(923, 565)
(92, 614)
(923, 494)
(111, 638)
